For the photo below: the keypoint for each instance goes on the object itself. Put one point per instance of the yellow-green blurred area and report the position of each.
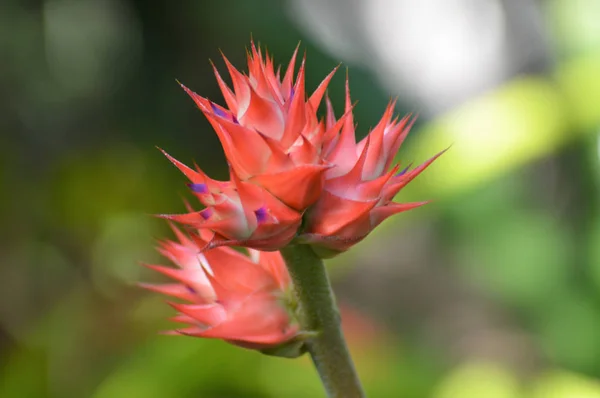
(490, 291)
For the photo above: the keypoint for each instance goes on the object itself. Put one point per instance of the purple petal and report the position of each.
(402, 172)
(206, 213)
(261, 214)
(218, 111)
(198, 188)
(224, 114)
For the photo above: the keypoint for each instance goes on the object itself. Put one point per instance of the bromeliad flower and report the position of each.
(358, 191)
(243, 299)
(270, 133)
(301, 188)
(294, 175)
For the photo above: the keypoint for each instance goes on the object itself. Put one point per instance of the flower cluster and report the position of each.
(294, 175)
(243, 299)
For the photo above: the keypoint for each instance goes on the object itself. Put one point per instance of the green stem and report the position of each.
(319, 313)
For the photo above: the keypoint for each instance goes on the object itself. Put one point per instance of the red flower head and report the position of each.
(240, 298)
(358, 191)
(270, 133)
(290, 169)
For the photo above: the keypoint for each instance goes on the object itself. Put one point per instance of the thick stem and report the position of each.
(319, 313)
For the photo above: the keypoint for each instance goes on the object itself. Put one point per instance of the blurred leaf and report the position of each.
(521, 121)
(569, 332)
(25, 374)
(181, 366)
(580, 81)
(561, 384)
(594, 254)
(124, 240)
(478, 380)
(290, 378)
(523, 259)
(90, 187)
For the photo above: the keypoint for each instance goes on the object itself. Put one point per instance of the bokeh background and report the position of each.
(491, 291)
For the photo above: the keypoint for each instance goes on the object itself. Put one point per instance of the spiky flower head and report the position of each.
(244, 299)
(294, 175)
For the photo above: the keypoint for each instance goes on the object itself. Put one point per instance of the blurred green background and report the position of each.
(491, 291)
